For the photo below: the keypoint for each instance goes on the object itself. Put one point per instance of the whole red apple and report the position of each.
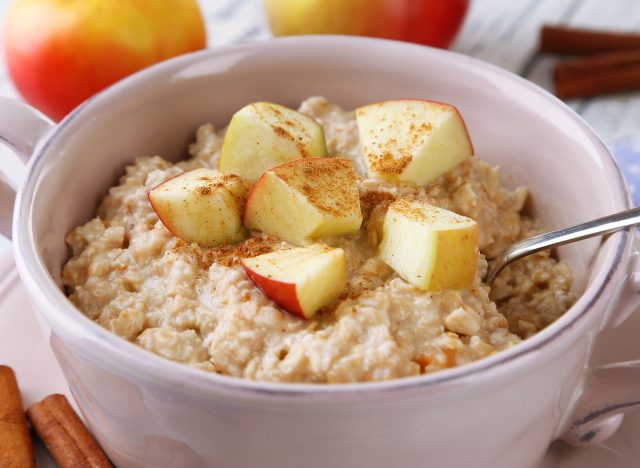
(60, 52)
(430, 22)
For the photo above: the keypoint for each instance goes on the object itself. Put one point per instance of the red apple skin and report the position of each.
(61, 52)
(429, 22)
(250, 198)
(159, 215)
(283, 294)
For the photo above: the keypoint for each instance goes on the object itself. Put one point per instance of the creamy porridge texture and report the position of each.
(196, 305)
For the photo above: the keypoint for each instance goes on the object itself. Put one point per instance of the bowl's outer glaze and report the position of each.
(502, 411)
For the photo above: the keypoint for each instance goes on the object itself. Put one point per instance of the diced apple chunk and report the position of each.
(411, 140)
(431, 248)
(263, 135)
(306, 199)
(300, 280)
(201, 206)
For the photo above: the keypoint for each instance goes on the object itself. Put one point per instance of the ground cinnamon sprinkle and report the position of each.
(301, 148)
(412, 210)
(372, 199)
(281, 132)
(387, 164)
(352, 293)
(275, 110)
(284, 133)
(209, 184)
(330, 184)
(228, 254)
(296, 141)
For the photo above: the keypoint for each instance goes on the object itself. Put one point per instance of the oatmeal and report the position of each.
(196, 305)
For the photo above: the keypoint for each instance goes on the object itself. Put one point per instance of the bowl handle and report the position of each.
(611, 390)
(629, 295)
(21, 128)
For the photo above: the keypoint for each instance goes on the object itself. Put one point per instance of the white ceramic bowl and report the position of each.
(502, 411)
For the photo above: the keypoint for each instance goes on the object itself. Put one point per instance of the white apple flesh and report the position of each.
(301, 280)
(430, 247)
(263, 135)
(306, 199)
(412, 140)
(201, 206)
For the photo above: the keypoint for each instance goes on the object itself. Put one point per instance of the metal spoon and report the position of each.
(597, 227)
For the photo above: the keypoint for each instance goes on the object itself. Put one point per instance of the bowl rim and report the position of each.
(126, 358)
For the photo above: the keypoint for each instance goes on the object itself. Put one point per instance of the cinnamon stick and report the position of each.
(67, 439)
(598, 74)
(15, 441)
(599, 63)
(579, 41)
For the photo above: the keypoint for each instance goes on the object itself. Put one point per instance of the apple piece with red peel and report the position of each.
(301, 280)
(411, 140)
(201, 206)
(306, 199)
(430, 247)
(263, 135)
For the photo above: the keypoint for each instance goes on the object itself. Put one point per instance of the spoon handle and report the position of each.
(597, 227)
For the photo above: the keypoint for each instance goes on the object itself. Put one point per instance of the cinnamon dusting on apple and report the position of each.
(408, 209)
(423, 212)
(278, 135)
(293, 127)
(375, 201)
(280, 131)
(316, 180)
(411, 140)
(203, 190)
(309, 198)
(387, 163)
(228, 254)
